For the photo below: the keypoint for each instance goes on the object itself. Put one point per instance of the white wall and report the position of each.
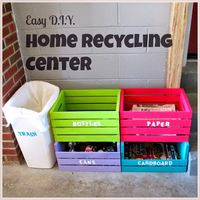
(111, 68)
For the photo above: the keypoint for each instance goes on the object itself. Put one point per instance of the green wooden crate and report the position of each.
(86, 115)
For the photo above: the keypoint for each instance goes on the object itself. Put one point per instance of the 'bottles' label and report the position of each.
(86, 123)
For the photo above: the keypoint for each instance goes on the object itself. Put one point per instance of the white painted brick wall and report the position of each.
(85, 14)
(111, 68)
(144, 14)
(103, 66)
(129, 65)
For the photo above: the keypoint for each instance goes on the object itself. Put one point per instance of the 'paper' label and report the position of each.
(158, 124)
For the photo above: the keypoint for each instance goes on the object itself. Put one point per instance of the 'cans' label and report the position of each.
(87, 162)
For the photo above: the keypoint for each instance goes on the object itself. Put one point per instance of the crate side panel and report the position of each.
(169, 163)
(87, 138)
(85, 155)
(145, 123)
(91, 92)
(175, 138)
(91, 100)
(60, 101)
(183, 149)
(156, 131)
(139, 91)
(156, 115)
(86, 123)
(90, 107)
(152, 99)
(185, 101)
(85, 115)
(88, 131)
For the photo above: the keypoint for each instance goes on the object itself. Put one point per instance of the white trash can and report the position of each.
(27, 111)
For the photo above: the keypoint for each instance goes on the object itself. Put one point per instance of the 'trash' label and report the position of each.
(26, 133)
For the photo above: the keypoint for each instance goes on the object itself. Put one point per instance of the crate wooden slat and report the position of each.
(137, 125)
(86, 115)
(68, 123)
(88, 161)
(86, 138)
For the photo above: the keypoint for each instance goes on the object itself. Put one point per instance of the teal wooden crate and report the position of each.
(180, 165)
(86, 115)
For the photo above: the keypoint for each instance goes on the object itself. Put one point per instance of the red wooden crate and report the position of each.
(137, 125)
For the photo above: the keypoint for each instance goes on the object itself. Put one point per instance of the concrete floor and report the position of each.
(21, 181)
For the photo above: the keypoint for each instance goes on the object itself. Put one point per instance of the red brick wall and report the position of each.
(13, 77)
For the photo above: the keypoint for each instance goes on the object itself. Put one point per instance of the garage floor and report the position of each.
(21, 181)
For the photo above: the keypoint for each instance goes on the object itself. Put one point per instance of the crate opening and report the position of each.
(153, 96)
(153, 151)
(89, 107)
(88, 147)
(149, 106)
(89, 100)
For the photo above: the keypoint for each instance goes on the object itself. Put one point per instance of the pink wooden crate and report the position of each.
(144, 126)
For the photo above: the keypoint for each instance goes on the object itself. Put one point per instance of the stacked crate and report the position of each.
(173, 127)
(86, 116)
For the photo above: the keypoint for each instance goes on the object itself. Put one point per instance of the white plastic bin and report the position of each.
(27, 112)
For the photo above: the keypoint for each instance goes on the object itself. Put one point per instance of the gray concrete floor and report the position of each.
(21, 181)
